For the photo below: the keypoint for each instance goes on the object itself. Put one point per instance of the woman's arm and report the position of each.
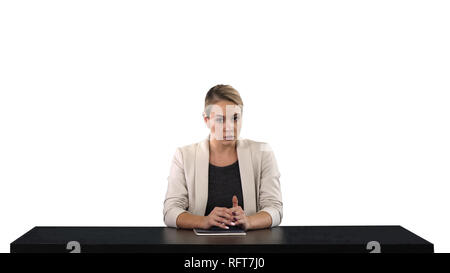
(176, 201)
(220, 217)
(270, 190)
(189, 221)
(260, 220)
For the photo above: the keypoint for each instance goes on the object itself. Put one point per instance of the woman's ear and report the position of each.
(205, 118)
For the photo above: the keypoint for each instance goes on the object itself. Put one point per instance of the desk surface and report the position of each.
(282, 239)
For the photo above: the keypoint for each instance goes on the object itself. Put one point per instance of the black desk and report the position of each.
(282, 239)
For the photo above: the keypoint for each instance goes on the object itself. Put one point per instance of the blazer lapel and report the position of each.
(201, 177)
(246, 172)
(247, 176)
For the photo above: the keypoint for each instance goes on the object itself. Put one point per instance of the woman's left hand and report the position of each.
(239, 217)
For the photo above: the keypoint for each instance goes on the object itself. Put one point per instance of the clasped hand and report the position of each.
(225, 217)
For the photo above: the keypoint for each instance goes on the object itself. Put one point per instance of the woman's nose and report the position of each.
(229, 126)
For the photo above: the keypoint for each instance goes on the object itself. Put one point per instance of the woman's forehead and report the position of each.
(225, 105)
(224, 111)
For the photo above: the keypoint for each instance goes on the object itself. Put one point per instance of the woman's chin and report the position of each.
(226, 139)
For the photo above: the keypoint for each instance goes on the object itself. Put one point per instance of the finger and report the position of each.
(219, 208)
(220, 224)
(237, 210)
(226, 211)
(215, 209)
(235, 201)
(224, 215)
(241, 222)
(222, 220)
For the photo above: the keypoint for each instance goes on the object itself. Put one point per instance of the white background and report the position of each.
(353, 97)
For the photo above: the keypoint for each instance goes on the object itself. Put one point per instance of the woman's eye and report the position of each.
(221, 119)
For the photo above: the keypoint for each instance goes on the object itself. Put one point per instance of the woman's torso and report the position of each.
(223, 183)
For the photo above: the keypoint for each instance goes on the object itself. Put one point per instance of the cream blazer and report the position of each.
(188, 180)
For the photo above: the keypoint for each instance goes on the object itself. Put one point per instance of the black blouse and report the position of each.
(223, 183)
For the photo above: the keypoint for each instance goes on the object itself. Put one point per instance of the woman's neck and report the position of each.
(218, 148)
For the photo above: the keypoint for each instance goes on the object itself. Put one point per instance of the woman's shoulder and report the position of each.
(192, 147)
(189, 147)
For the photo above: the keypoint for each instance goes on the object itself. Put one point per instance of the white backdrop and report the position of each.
(353, 97)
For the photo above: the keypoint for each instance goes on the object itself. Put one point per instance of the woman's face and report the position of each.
(225, 122)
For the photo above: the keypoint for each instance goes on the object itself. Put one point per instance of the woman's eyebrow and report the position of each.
(221, 116)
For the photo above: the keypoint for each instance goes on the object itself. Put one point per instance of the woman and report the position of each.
(223, 180)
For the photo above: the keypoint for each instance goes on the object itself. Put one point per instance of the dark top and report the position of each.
(223, 183)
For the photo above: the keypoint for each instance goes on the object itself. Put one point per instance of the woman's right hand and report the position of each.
(219, 217)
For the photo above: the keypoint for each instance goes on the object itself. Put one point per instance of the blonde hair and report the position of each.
(222, 92)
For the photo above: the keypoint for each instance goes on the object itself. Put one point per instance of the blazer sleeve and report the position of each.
(176, 200)
(270, 191)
